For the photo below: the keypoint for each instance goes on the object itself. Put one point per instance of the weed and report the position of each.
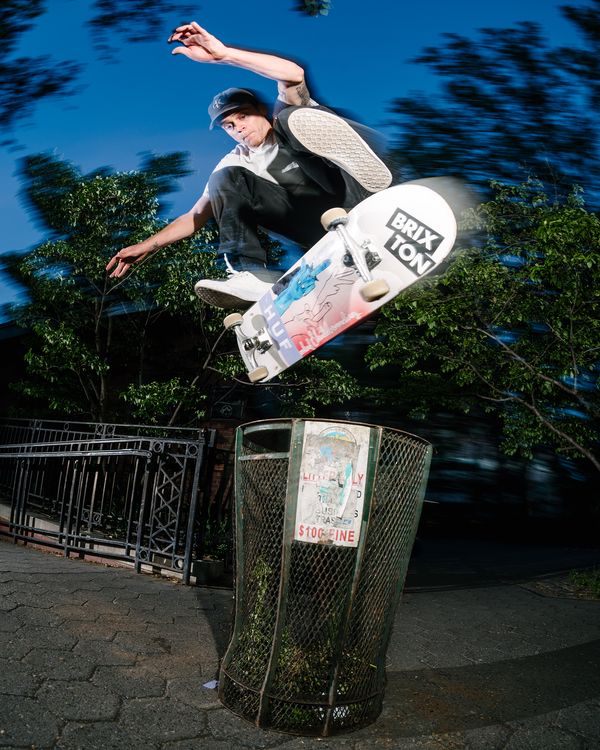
(587, 581)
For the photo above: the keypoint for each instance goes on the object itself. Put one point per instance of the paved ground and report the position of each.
(98, 657)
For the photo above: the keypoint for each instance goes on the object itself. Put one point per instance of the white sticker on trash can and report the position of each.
(332, 483)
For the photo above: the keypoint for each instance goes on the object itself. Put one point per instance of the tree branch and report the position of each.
(559, 433)
(561, 386)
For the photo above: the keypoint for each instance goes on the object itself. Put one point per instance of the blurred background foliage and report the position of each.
(512, 326)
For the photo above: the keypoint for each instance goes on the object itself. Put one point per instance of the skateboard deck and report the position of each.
(367, 257)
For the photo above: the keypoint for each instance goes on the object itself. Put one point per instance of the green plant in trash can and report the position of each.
(303, 670)
(256, 638)
(307, 674)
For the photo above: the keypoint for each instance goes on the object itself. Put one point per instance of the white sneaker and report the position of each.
(330, 137)
(240, 289)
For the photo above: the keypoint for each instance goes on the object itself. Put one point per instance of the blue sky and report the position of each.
(357, 60)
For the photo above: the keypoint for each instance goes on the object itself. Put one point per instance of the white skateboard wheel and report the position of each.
(373, 290)
(259, 374)
(234, 319)
(332, 215)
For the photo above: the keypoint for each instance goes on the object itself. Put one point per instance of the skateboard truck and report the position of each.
(259, 343)
(363, 256)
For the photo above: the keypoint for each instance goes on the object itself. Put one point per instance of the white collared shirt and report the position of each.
(257, 160)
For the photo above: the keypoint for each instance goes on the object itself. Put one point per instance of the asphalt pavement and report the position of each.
(491, 650)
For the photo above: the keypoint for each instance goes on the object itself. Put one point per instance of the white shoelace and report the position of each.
(230, 269)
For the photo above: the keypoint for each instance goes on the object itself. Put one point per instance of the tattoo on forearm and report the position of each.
(303, 94)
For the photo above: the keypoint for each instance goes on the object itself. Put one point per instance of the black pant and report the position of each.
(242, 202)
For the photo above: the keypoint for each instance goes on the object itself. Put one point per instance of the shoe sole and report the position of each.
(215, 298)
(332, 138)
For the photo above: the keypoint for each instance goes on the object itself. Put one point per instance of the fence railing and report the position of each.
(136, 494)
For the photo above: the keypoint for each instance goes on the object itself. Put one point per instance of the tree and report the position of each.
(85, 327)
(316, 382)
(513, 326)
(142, 347)
(313, 7)
(510, 106)
(25, 80)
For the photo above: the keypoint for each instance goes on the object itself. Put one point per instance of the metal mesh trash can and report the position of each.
(326, 516)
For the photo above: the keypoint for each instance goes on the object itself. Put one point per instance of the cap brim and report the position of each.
(225, 111)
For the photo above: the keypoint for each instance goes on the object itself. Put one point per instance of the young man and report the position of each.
(282, 174)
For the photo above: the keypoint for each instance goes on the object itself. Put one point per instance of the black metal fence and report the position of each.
(131, 493)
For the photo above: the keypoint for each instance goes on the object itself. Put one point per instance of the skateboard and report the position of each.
(366, 258)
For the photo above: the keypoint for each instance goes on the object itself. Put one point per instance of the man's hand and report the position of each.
(125, 258)
(198, 44)
(180, 228)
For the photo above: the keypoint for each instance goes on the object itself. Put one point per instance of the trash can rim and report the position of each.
(249, 427)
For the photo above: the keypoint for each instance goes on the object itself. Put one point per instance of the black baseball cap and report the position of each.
(228, 101)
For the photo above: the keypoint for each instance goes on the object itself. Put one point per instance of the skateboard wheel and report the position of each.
(373, 290)
(259, 374)
(333, 216)
(234, 319)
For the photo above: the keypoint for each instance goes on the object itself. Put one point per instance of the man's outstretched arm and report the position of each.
(201, 46)
(180, 228)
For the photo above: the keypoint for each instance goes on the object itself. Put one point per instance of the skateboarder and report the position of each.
(285, 170)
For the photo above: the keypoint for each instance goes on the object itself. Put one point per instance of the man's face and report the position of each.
(247, 125)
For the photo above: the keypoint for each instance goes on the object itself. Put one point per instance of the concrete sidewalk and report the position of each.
(482, 657)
